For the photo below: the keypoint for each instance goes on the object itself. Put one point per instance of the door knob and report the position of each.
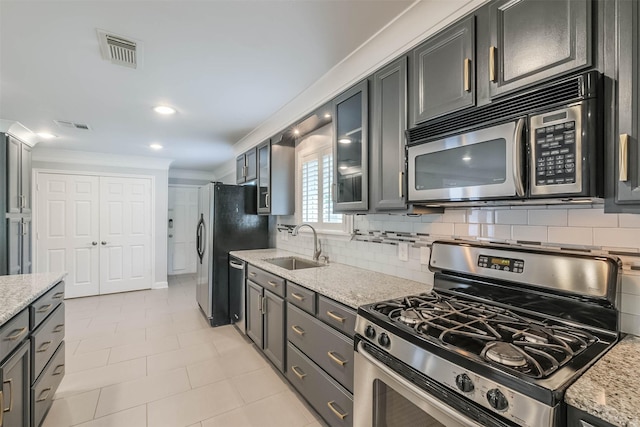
(103, 243)
(94, 243)
(170, 235)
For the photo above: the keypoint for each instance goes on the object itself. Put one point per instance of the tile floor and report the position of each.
(149, 359)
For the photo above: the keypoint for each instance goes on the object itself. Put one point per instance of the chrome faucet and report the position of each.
(317, 249)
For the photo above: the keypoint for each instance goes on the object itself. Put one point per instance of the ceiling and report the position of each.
(226, 66)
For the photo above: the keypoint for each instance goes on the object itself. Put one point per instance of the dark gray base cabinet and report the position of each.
(255, 320)
(14, 381)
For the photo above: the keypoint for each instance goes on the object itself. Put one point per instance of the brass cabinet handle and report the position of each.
(44, 347)
(623, 157)
(44, 308)
(467, 75)
(253, 274)
(333, 357)
(58, 295)
(298, 330)
(18, 333)
(335, 316)
(46, 392)
(59, 328)
(58, 370)
(1, 407)
(295, 369)
(272, 283)
(297, 296)
(339, 414)
(492, 64)
(10, 408)
(266, 200)
(264, 305)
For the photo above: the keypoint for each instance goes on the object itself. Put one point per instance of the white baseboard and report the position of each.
(160, 285)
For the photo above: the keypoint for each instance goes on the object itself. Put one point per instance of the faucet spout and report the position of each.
(317, 249)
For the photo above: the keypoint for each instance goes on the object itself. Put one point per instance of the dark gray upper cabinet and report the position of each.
(443, 72)
(534, 40)
(627, 154)
(276, 174)
(388, 122)
(247, 166)
(350, 152)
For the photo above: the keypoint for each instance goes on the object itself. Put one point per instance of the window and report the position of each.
(314, 160)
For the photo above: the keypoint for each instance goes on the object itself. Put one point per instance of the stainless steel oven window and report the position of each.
(394, 410)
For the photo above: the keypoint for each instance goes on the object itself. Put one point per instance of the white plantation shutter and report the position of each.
(310, 191)
(327, 184)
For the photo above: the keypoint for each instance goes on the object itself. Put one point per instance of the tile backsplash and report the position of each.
(375, 244)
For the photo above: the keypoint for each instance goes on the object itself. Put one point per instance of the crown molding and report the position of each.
(100, 159)
(19, 131)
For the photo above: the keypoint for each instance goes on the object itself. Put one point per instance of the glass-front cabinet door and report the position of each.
(264, 182)
(351, 146)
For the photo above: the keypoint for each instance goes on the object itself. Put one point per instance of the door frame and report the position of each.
(194, 186)
(35, 208)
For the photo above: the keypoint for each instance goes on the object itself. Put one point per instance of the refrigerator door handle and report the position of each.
(200, 238)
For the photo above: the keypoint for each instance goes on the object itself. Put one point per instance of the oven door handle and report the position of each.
(518, 175)
(417, 391)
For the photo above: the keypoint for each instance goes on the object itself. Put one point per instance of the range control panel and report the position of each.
(498, 263)
(556, 154)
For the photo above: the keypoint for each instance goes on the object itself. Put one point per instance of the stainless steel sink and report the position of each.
(294, 263)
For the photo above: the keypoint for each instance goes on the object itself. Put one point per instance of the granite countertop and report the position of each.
(609, 389)
(18, 291)
(349, 285)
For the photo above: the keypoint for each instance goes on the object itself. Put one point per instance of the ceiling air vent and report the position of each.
(71, 125)
(120, 50)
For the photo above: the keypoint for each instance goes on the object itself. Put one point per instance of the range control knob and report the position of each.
(384, 340)
(497, 400)
(370, 332)
(464, 383)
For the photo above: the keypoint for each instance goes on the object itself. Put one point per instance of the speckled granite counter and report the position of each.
(18, 291)
(609, 390)
(351, 286)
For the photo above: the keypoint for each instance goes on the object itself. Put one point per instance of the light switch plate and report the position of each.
(403, 251)
(424, 255)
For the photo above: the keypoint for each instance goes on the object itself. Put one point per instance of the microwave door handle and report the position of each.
(518, 152)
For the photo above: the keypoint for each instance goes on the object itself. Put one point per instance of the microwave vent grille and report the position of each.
(515, 106)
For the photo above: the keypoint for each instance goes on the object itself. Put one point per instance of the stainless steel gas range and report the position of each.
(496, 343)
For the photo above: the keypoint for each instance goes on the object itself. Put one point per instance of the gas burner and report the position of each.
(536, 337)
(505, 354)
(410, 317)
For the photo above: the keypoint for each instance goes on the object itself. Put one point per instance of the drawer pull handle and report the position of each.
(296, 371)
(297, 296)
(18, 333)
(58, 295)
(10, 408)
(44, 347)
(335, 316)
(59, 328)
(253, 274)
(492, 64)
(466, 72)
(623, 157)
(339, 414)
(59, 369)
(298, 330)
(1, 407)
(336, 359)
(46, 392)
(272, 283)
(44, 308)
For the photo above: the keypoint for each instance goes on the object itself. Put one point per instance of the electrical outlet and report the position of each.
(403, 251)
(424, 255)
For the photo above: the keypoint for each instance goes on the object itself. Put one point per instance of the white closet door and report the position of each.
(67, 230)
(183, 211)
(125, 234)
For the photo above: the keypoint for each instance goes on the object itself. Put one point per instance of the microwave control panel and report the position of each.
(499, 263)
(556, 154)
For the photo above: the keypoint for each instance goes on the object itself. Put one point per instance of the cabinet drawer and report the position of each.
(43, 390)
(328, 398)
(13, 333)
(302, 297)
(267, 280)
(330, 349)
(45, 341)
(45, 305)
(337, 315)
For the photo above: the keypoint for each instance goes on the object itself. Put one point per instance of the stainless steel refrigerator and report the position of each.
(227, 221)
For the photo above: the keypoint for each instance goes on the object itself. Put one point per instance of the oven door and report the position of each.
(478, 165)
(384, 398)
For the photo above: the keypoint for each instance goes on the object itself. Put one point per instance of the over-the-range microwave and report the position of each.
(543, 146)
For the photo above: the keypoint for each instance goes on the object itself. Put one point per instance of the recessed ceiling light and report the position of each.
(327, 116)
(163, 109)
(155, 146)
(296, 132)
(46, 135)
(466, 158)
(344, 141)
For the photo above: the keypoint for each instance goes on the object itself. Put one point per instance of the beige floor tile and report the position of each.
(73, 410)
(91, 379)
(130, 394)
(136, 417)
(70, 346)
(157, 320)
(199, 336)
(258, 384)
(228, 339)
(206, 372)
(84, 361)
(159, 331)
(115, 339)
(142, 349)
(237, 418)
(194, 405)
(180, 358)
(242, 361)
(277, 411)
(78, 333)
